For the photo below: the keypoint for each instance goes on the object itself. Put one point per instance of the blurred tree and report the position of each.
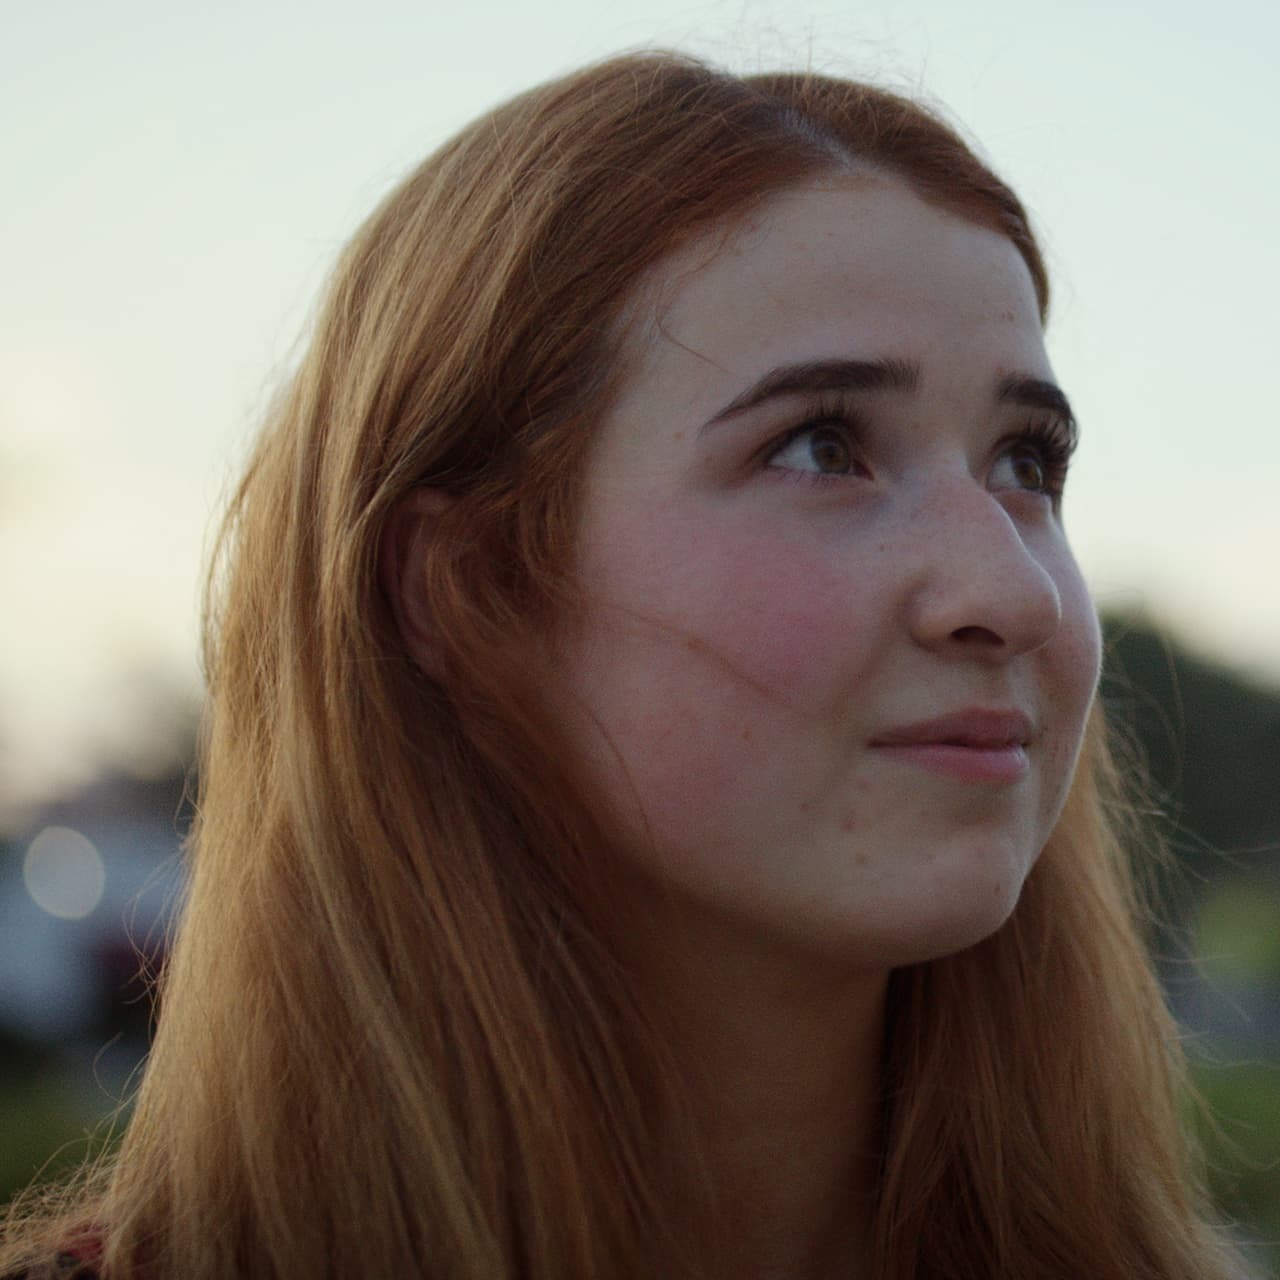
(1210, 740)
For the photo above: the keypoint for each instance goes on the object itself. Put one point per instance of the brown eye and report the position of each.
(1036, 461)
(818, 450)
(829, 449)
(1028, 469)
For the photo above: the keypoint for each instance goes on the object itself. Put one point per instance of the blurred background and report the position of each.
(179, 181)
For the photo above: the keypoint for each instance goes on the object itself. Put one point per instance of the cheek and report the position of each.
(781, 620)
(1073, 680)
(709, 662)
(1080, 660)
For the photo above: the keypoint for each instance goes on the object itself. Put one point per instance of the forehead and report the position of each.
(854, 266)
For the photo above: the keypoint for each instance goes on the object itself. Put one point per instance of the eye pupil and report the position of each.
(1029, 470)
(830, 450)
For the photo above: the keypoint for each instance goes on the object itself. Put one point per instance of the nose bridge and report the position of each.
(978, 581)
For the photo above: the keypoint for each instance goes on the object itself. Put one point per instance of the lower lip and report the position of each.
(969, 764)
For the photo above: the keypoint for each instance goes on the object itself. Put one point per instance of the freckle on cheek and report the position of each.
(746, 734)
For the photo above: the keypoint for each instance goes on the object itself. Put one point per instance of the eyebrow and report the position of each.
(824, 375)
(888, 374)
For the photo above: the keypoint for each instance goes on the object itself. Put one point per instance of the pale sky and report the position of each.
(179, 178)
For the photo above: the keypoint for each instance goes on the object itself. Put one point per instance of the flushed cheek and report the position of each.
(775, 621)
(724, 681)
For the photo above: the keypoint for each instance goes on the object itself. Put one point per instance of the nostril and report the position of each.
(978, 635)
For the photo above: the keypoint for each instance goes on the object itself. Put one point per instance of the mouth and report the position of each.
(976, 745)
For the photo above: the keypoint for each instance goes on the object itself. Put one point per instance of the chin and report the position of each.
(959, 920)
(954, 914)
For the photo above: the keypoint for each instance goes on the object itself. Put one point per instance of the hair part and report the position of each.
(395, 1038)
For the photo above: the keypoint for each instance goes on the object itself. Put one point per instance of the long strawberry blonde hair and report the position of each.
(395, 1039)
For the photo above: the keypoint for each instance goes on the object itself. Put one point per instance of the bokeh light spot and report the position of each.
(64, 874)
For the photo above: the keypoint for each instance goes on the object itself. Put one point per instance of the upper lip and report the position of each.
(974, 727)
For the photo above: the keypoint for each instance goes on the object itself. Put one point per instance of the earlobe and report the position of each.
(406, 545)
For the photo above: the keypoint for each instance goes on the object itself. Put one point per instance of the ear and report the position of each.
(406, 544)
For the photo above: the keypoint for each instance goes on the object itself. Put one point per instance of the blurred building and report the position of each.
(86, 896)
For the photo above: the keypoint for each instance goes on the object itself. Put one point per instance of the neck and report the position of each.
(781, 1054)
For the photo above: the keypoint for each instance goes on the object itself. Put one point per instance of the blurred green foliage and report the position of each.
(1238, 935)
(1240, 1134)
(1210, 741)
(50, 1118)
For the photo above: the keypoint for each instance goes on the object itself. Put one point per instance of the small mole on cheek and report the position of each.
(746, 734)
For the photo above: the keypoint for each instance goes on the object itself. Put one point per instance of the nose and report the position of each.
(981, 589)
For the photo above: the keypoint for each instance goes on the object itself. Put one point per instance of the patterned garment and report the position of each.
(70, 1266)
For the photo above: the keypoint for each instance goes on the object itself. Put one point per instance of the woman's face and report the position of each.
(836, 657)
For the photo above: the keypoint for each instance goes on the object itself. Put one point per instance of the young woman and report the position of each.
(655, 819)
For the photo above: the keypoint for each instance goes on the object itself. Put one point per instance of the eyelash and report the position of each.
(1055, 445)
(824, 412)
(1049, 437)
